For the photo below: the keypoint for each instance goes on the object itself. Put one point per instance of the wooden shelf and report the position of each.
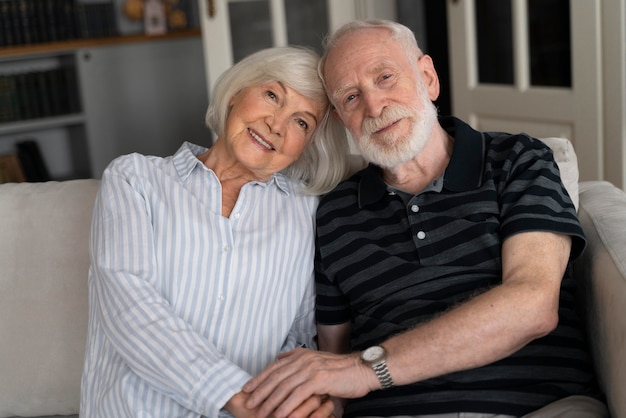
(29, 125)
(71, 45)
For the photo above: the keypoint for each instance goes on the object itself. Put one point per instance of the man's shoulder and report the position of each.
(517, 141)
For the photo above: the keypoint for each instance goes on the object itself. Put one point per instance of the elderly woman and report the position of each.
(202, 262)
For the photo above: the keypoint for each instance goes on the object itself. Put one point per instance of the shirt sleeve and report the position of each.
(156, 344)
(532, 195)
(332, 306)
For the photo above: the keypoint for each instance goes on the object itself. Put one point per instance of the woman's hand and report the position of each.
(299, 374)
(314, 407)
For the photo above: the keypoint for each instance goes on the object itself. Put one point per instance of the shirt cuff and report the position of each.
(214, 391)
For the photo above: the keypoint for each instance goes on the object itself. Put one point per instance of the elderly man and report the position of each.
(442, 267)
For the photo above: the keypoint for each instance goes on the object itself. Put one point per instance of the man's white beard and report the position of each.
(389, 150)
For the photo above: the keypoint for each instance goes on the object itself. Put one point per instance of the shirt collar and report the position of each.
(464, 171)
(186, 160)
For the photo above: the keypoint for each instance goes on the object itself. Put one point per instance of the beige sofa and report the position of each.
(44, 230)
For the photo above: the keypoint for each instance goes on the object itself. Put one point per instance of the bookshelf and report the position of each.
(81, 140)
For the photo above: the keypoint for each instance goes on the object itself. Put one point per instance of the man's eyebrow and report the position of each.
(380, 67)
(340, 91)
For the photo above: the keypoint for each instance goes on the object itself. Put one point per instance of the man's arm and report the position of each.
(487, 328)
(494, 324)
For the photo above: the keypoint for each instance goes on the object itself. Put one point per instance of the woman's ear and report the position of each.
(430, 78)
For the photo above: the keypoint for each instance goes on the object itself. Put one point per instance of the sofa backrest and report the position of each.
(44, 260)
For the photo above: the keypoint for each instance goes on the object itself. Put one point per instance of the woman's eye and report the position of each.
(350, 98)
(303, 124)
(271, 94)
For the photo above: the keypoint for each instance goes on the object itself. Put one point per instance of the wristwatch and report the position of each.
(374, 357)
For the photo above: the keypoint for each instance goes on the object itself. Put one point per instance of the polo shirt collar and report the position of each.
(464, 171)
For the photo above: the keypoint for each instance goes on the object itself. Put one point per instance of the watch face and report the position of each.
(373, 353)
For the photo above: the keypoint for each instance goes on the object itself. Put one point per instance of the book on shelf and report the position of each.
(8, 98)
(11, 169)
(25, 22)
(39, 94)
(32, 161)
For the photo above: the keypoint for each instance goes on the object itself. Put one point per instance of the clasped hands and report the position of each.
(285, 388)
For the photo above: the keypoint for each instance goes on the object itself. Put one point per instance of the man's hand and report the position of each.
(299, 374)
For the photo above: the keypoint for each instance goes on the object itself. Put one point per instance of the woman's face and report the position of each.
(268, 127)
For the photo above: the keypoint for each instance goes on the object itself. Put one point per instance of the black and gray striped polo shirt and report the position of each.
(387, 262)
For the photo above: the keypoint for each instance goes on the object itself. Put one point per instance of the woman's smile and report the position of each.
(260, 140)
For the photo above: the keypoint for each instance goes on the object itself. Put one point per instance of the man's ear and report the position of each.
(429, 76)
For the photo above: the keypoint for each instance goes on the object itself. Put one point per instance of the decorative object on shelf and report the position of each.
(11, 169)
(133, 10)
(155, 21)
(177, 19)
(175, 12)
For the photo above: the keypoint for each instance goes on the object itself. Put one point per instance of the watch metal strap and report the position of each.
(382, 372)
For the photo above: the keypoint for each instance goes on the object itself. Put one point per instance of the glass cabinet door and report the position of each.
(232, 29)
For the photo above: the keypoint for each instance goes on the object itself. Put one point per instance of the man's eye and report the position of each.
(350, 98)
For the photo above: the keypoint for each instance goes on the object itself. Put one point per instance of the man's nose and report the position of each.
(374, 104)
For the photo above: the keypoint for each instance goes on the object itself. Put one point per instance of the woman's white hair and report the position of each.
(324, 162)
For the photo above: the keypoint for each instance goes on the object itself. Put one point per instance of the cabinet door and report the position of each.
(232, 29)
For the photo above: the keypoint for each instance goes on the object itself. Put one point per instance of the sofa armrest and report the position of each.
(601, 276)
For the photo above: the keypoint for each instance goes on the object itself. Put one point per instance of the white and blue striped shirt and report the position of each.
(185, 304)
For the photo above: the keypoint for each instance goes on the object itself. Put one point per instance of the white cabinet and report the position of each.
(145, 97)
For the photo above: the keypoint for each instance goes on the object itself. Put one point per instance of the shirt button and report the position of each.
(415, 208)
(226, 248)
(421, 235)
(221, 297)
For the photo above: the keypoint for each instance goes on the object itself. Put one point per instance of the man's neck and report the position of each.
(414, 175)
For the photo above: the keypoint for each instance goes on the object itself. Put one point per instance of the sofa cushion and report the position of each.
(565, 158)
(44, 231)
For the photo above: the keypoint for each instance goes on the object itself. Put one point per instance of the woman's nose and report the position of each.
(276, 122)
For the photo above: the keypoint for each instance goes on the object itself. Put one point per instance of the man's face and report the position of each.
(378, 93)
